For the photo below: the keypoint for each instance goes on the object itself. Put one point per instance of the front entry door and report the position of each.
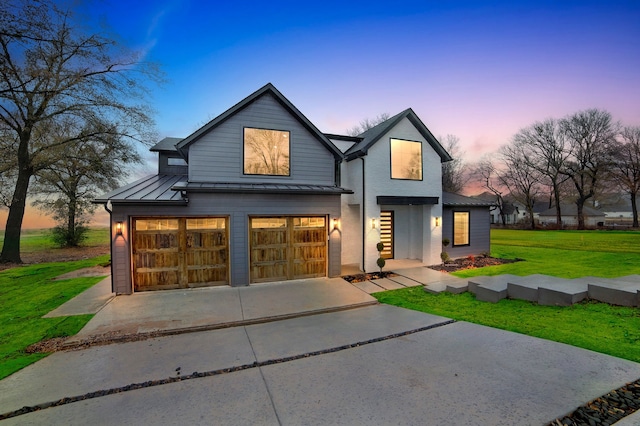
(386, 234)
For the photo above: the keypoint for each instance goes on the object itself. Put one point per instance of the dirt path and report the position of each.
(59, 255)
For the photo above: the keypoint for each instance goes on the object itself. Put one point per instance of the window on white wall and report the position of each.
(406, 159)
(460, 228)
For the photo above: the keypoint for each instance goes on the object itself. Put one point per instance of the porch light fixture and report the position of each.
(437, 221)
(118, 228)
(335, 223)
(373, 224)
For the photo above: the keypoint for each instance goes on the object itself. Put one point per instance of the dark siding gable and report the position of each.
(217, 156)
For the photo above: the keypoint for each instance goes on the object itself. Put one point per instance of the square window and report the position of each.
(460, 228)
(406, 159)
(266, 152)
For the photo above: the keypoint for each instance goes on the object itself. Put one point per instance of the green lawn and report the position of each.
(565, 254)
(612, 330)
(569, 254)
(32, 240)
(26, 294)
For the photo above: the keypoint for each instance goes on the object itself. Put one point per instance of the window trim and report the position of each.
(244, 173)
(453, 228)
(391, 160)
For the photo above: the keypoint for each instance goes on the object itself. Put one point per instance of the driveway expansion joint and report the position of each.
(98, 340)
(197, 375)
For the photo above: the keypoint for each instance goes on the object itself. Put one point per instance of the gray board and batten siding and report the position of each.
(479, 224)
(238, 208)
(217, 156)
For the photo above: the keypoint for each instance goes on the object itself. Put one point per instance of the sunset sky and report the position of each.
(478, 70)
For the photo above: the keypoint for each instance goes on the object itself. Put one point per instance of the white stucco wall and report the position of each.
(418, 237)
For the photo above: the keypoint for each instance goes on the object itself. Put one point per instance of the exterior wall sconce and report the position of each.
(437, 221)
(118, 228)
(335, 223)
(373, 224)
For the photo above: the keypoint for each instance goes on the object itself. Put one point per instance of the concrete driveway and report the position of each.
(369, 365)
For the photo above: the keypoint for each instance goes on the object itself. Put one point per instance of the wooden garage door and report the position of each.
(171, 253)
(286, 248)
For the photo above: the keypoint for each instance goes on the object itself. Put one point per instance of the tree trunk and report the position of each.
(71, 222)
(634, 209)
(556, 195)
(11, 245)
(580, 205)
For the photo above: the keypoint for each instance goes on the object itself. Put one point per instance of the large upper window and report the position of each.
(460, 228)
(406, 159)
(266, 152)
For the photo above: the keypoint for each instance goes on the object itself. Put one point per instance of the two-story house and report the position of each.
(260, 194)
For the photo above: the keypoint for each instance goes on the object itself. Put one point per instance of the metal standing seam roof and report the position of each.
(265, 188)
(452, 200)
(151, 189)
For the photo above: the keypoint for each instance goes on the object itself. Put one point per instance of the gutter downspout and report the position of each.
(364, 237)
(113, 290)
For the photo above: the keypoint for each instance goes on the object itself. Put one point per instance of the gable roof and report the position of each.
(269, 88)
(166, 145)
(374, 134)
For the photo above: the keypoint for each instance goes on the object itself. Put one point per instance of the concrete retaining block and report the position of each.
(564, 293)
(614, 292)
(475, 282)
(526, 288)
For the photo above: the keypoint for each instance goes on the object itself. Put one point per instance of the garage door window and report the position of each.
(285, 248)
(171, 253)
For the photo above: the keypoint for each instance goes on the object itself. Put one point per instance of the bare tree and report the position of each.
(520, 176)
(490, 178)
(65, 189)
(591, 136)
(547, 153)
(453, 176)
(49, 70)
(626, 166)
(367, 124)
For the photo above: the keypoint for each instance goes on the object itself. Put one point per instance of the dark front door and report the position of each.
(386, 233)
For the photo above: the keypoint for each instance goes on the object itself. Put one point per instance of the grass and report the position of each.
(591, 325)
(33, 240)
(564, 254)
(613, 330)
(26, 294)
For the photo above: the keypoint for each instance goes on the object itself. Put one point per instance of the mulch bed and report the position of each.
(369, 276)
(471, 262)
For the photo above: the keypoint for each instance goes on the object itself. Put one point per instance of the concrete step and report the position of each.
(564, 293)
(490, 288)
(621, 291)
(526, 287)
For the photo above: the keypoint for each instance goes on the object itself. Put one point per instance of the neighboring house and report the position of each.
(466, 223)
(617, 209)
(260, 194)
(592, 217)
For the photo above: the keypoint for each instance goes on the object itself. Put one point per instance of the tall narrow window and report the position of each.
(266, 152)
(406, 160)
(460, 228)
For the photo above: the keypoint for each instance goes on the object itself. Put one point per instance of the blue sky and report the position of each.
(479, 70)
